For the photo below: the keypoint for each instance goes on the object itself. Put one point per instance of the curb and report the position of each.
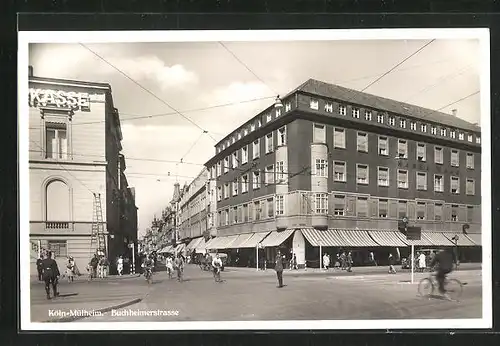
(103, 311)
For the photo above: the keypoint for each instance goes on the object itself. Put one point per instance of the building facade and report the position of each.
(75, 143)
(338, 163)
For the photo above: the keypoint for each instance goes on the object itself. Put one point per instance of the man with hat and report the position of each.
(50, 274)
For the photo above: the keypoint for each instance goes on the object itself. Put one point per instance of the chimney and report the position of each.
(454, 112)
(30, 71)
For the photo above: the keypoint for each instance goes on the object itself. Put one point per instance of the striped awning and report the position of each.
(255, 239)
(276, 238)
(329, 237)
(422, 242)
(242, 238)
(200, 247)
(357, 238)
(228, 244)
(387, 238)
(437, 239)
(475, 237)
(463, 240)
(220, 242)
(180, 247)
(167, 249)
(193, 243)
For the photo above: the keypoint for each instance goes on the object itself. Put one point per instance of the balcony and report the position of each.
(57, 225)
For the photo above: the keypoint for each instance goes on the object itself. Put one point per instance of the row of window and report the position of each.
(255, 211)
(391, 121)
(232, 161)
(364, 207)
(383, 177)
(339, 142)
(257, 124)
(271, 176)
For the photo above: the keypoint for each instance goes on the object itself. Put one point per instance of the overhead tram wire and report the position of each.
(460, 100)
(145, 89)
(399, 64)
(192, 146)
(248, 68)
(67, 171)
(151, 116)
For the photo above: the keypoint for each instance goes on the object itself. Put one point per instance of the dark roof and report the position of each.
(323, 89)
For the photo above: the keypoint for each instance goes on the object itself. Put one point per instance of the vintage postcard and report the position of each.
(221, 180)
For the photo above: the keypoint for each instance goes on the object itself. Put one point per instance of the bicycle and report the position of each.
(148, 275)
(427, 286)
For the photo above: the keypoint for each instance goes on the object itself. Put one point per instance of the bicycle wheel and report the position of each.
(454, 288)
(425, 287)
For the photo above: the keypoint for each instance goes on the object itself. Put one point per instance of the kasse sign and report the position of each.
(59, 98)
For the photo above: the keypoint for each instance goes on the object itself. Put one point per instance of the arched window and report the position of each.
(57, 201)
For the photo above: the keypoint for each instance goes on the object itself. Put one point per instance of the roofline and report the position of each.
(70, 82)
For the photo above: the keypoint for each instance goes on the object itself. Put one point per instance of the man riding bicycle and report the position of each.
(217, 265)
(443, 265)
(148, 266)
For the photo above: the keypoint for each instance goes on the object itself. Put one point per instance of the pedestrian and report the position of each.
(392, 270)
(50, 273)
(94, 262)
(119, 265)
(349, 261)
(170, 266)
(294, 262)
(421, 262)
(70, 269)
(326, 261)
(39, 268)
(372, 258)
(101, 266)
(343, 261)
(279, 268)
(179, 267)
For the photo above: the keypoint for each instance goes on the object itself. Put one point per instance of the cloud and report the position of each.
(154, 69)
(238, 92)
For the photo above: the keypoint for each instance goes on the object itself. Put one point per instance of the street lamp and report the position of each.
(277, 102)
(320, 254)
(257, 248)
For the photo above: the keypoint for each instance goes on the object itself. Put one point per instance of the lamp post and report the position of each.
(259, 246)
(320, 254)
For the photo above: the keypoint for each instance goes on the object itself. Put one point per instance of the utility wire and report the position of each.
(144, 88)
(192, 146)
(399, 64)
(81, 182)
(462, 99)
(248, 68)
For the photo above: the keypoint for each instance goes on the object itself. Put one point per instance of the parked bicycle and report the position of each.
(427, 287)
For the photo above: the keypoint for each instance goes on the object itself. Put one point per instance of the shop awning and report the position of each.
(475, 237)
(329, 237)
(253, 240)
(220, 242)
(437, 239)
(357, 238)
(242, 238)
(463, 240)
(193, 243)
(276, 238)
(387, 238)
(422, 242)
(200, 247)
(228, 244)
(180, 247)
(167, 249)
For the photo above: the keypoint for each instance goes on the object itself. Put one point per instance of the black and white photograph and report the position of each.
(280, 179)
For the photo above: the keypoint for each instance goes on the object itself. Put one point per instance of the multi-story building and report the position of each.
(75, 143)
(196, 218)
(337, 168)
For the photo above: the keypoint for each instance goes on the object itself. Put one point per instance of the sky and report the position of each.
(242, 79)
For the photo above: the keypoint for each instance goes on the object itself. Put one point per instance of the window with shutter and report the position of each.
(411, 209)
(362, 142)
(454, 159)
(339, 205)
(339, 171)
(319, 133)
(402, 149)
(383, 208)
(438, 212)
(362, 207)
(421, 210)
(421, 181)
(383, 146)
(383, 176)
(402, 179)
(421, 152)
(455, 185)
(402, 209)
(362, 174)
(339, 138)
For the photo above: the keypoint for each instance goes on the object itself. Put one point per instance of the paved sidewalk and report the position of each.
(85, 277)
(85, 297)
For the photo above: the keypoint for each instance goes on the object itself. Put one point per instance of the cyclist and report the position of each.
(217, 265)
(443, 265)
(148, 266)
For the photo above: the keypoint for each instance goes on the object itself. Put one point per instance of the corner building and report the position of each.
(75, 143)
(338, 169)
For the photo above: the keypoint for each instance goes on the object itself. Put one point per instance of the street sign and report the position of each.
(413, 233)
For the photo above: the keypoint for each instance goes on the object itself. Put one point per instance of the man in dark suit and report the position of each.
(279, 268)
(50, 274)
